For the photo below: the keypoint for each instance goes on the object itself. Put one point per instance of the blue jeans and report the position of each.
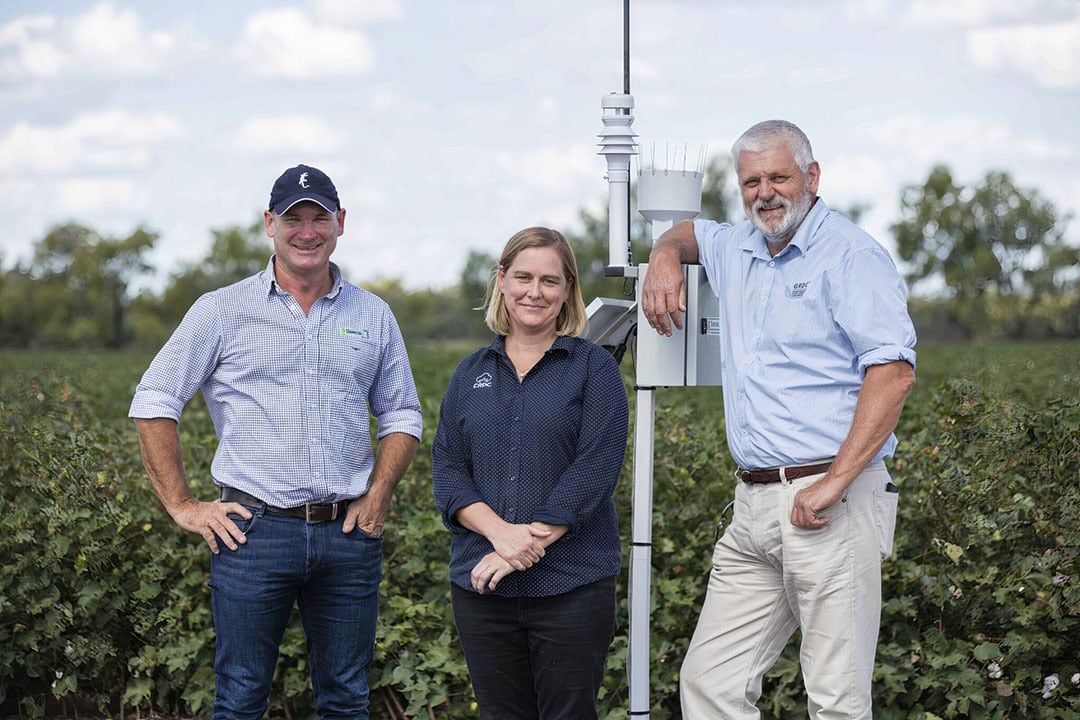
(333, 577)
(536, 657)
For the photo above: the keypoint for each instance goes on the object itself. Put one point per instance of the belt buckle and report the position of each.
(314, 521)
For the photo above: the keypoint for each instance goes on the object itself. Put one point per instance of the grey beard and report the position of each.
(795, 213)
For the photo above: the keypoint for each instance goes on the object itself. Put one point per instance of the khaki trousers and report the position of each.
(769, 577)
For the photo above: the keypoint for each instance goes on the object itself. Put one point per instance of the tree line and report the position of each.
(988, 260)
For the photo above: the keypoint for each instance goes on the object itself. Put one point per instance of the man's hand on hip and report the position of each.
(813, 499)
(212, 521)
(366, 513)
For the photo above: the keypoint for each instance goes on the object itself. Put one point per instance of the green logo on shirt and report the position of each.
(345, 332)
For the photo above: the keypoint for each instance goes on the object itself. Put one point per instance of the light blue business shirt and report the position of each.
(798, 332)
(289, 394)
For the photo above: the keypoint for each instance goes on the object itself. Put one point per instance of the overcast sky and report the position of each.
(449, 125)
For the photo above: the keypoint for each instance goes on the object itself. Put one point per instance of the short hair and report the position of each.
(764, 135)
(571, 320)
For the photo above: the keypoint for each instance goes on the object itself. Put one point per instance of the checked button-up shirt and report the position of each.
(289, 394)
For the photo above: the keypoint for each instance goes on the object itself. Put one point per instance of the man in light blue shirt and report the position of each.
(817, 360)
(290, 362)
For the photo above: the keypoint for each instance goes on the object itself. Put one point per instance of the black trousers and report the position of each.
(537, 658)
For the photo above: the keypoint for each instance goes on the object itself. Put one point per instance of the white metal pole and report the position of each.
(618, 228)
(641, 553)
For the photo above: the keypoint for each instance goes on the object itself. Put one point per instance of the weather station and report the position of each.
(666, 194)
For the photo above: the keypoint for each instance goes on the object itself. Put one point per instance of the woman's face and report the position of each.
(534, 290)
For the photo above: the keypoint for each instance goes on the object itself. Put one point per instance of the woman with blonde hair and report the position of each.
(529, 448)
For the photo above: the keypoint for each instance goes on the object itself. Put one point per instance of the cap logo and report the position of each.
(303, 184)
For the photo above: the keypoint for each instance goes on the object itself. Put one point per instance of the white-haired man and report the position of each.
(818, 359)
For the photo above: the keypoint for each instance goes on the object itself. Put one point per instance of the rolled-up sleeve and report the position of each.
(869, 303)
(392, 397)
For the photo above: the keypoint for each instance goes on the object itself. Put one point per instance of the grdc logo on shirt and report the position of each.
(482, 381)
(797, 290)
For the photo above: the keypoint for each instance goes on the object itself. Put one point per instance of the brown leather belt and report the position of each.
(310, 512)
(772, 475)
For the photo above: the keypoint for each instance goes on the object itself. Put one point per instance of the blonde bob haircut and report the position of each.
(571, 320)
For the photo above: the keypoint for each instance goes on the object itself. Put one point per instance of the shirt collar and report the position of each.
(563, 343)
(804, 236)
(268, 278)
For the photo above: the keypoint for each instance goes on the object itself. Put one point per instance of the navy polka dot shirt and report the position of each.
(548, 449)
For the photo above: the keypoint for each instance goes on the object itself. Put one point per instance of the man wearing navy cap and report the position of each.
(290, 362)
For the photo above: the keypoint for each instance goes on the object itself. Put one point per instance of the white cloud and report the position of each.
(856, 178)
(528, 58)
(549, 170)
(18, 31)
(286, 43)
(864, 180)
(1050, 53)
(30, 55)
(960, 13)
(818, 75)
(385, 98)
(358, 13)
(85, 195)
(543, 173)
(285, 134)
(924, 140)
(104, 40)
(512, 143)
(28, 148)
(112, 41)
(1040, 38)
(969, 13)
(367, 198)
(109, 140)
(534, 186)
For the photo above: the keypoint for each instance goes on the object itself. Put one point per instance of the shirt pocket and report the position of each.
(356, 367)
(360, 363)
(800, 315)
(886, 499)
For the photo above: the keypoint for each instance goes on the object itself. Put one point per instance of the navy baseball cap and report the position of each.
(300, 183)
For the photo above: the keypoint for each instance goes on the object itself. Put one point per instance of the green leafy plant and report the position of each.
(104, 606)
